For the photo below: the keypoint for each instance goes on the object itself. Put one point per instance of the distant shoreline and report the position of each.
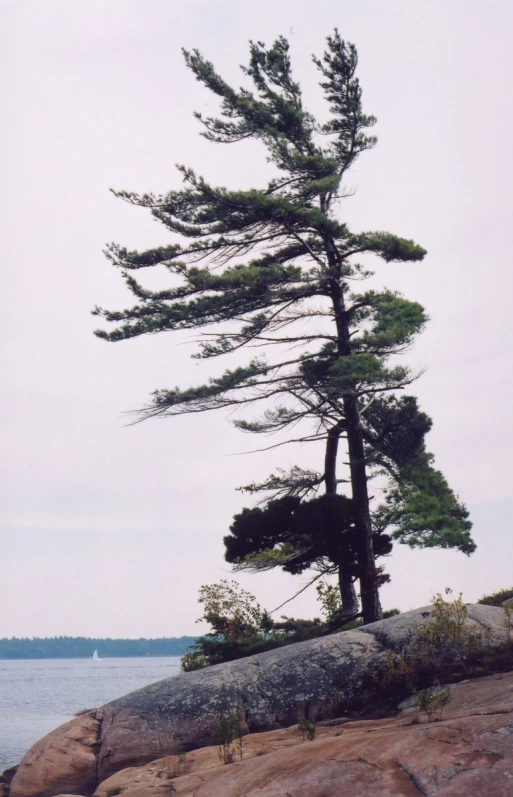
(84, 647)
(86, 658)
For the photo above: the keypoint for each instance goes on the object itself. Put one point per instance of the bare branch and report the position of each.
(314, 579)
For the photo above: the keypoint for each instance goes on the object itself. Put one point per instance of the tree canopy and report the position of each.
(278, 264)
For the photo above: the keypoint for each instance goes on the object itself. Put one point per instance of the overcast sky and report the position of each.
(109, 530)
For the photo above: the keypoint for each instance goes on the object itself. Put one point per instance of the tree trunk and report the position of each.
(350, 605)
(348, 597)
(371, 606)
(330, 458)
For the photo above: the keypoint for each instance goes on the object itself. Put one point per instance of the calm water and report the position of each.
(36, 696)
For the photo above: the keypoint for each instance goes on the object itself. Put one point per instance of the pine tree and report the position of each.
(298, 535)
(270, 259)
(419, 508)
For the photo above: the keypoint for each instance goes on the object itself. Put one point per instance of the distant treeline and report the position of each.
(67, 647)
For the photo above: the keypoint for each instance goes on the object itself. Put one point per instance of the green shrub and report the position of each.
(228, 733)
(240, 627)
(432, 701)
(447, 639)
(445, 649)
(497, 598)
(194, 660)
(306, 727)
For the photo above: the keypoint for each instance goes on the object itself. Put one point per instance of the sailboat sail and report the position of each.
(95, 656)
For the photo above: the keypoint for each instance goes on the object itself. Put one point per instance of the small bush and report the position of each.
(228, 733)
(444, 649)
(193, 661)
(182, 766)
(497, 598)
(397, 671)
(306, 727)
(391, 613)
(432, 701)
(446, 640)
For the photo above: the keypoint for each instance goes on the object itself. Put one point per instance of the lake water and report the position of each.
(38, 695)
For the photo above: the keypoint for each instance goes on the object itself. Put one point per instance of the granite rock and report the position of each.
(469, 753)
(317, 678)
(64, 760)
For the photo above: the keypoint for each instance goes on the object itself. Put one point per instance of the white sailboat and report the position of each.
(95, 656)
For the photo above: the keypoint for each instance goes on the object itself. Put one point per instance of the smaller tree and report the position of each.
(232, 612)
(240, 627)
(298, 535)
(236, 620)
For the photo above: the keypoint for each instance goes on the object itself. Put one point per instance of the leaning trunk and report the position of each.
(371, 606)
(348, 597)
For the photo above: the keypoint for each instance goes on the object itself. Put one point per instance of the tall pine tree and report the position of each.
(270, 259)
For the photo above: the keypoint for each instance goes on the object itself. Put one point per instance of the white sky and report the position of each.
(109, 530)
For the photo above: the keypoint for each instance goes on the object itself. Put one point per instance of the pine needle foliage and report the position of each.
(263, 262)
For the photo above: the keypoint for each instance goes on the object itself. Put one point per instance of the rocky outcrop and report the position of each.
(318, 678)
(469, 753)
(63, 761)
(5, 781)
